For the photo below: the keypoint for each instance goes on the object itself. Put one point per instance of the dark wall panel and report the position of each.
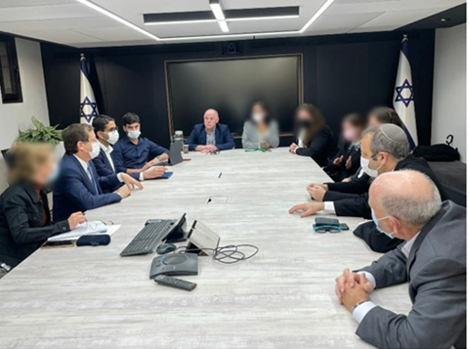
(341, 73)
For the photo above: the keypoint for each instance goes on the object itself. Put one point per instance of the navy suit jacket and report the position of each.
(223, 138)
(74, 191)
(104, 169)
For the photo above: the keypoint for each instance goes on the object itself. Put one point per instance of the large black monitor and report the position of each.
(231, 86)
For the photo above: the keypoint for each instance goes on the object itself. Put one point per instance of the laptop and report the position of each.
(175, 156)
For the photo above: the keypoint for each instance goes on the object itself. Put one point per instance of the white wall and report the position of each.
(16, 116)
(449, 87)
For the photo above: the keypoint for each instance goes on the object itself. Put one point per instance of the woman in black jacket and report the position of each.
(347, 161)
(314, 137)
(25, 221)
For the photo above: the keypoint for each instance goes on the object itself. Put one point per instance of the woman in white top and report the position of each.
(260, 132)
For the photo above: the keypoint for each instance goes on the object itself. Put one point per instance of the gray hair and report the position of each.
(416, 211)
(388, 138)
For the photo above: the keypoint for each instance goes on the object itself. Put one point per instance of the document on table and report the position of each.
(87, 228)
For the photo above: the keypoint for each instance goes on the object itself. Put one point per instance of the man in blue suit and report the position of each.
(107, 135)
(79, 187)
(210, 136)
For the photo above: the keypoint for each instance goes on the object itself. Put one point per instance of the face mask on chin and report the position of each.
(378, 227)
(349, 135)
(365, 164)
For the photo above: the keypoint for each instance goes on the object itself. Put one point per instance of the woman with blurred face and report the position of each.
(347, 160)
(314, 137)
(25, 220)
(260, 132)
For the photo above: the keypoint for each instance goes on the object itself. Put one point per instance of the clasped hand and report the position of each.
(352, 288)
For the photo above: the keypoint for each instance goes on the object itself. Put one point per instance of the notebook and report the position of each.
(87, 228)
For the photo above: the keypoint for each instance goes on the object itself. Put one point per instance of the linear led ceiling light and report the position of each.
(117, 18)
(215, 5)
(217, 15)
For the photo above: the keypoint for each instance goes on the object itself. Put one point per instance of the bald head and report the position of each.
(409, 196)
(211, 119)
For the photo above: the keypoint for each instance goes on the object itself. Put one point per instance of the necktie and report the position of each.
(93, 179)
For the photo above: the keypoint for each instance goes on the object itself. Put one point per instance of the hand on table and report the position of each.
(312, 185)
(293, 147)
(346, 180)
(155, 172)
(352, 288)
(308, 208)
(162, 157)
(75, 219)
(317, 192)
(131, 182)
(123, 192)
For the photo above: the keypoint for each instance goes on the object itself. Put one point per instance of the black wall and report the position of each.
(342, 74)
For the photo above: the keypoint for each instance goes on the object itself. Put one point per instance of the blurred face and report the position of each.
(44, 171)
(303, 115)
(210, 119)
(350, 132)
(110, 127)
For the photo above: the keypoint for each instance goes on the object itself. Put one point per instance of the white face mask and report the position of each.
(365, 164)
(95, 151)
(257, 117)
(113, 137)
(134, 134)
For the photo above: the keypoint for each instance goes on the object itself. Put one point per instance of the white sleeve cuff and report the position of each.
(369, 277)
(141, 178)
(360, 312)
(119, 177)
(329, 207)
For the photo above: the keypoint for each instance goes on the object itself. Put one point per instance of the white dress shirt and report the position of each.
(360, 312)
(107, 151)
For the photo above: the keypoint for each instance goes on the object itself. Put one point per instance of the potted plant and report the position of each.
(43, 133)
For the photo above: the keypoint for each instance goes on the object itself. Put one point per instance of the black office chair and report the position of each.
(8, 158)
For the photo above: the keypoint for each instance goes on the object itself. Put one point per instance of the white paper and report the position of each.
(88, 228)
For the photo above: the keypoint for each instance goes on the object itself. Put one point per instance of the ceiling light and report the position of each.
(318, 14)
(230, 36)
(117, 18)
(224, 26)
(216, 9)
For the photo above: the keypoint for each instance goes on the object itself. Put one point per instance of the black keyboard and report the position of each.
(148, 238)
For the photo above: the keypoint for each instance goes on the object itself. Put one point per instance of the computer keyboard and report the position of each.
(148, 238)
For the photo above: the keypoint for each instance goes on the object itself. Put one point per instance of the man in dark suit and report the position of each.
(210, 136)
(407, 205)
(384, 148)
(107, 135)
(79, 187)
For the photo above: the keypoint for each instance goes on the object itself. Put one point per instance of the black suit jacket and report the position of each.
(321, 148)
(340, 172)
(21, 223)
(357, 205)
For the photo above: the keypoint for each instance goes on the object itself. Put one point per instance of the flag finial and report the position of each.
(82, 55)
(405, 36)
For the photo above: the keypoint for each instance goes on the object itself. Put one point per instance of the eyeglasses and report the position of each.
(322, 229)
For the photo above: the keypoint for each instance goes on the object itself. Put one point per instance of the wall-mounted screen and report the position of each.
(231, 86)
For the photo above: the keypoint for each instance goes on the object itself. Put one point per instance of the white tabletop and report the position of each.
(89, 297)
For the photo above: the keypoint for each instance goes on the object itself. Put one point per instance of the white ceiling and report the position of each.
(72, 23)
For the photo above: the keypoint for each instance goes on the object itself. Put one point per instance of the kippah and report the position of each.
(393, 133)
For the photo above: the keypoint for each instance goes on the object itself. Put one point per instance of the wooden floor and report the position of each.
(89, 297)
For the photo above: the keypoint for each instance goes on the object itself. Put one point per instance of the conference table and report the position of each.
(90, 297)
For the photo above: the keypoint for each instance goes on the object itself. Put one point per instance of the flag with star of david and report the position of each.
(88, 106)
(404, 94)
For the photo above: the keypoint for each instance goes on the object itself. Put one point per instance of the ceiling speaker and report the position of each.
(232, 48)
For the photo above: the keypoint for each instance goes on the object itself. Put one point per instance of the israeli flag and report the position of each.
(404, 94)
(88, 106)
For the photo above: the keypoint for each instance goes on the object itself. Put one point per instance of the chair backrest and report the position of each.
(8, 158)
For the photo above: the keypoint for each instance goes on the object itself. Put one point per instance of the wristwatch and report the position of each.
(5, 267)
(358, 304)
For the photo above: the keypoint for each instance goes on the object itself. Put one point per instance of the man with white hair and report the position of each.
(384, 148)
(210, 137)
(407, 205)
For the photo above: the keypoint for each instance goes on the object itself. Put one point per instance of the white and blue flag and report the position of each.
(88, 106)
(404, 94)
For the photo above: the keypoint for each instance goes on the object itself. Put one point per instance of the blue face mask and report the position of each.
(378, 227)
(54, 175)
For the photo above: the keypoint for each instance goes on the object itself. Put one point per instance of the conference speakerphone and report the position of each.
(174, 264)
